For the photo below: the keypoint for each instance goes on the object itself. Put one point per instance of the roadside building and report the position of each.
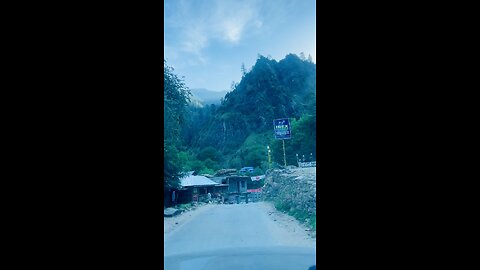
(194, 188)
(237, 184)
(237, 188)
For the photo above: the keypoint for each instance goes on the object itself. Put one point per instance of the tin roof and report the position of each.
(218, 179)
(196, 180)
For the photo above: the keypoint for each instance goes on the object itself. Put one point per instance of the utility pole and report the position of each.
(269, 160)
(284, 157)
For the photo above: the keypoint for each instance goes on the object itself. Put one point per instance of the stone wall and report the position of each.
(294, 189)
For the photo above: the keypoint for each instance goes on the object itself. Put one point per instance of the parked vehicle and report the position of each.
(246, 169)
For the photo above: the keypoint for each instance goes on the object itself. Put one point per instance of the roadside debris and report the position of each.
(170, 212)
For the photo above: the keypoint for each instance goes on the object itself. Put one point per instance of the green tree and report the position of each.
(176, 97)
(209, 153)
(210, 164)
(244, 70)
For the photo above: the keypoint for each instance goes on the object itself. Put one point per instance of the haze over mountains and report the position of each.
(202, 96)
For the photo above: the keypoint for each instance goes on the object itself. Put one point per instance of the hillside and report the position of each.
(270, 90)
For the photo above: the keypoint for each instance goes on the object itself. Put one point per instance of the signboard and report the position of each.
(282, 129)
(257, 178)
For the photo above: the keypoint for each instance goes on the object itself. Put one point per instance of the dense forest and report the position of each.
(236, 133)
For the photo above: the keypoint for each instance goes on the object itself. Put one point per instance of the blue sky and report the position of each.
(206, 41)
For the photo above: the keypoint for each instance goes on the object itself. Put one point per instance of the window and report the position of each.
(242, 183)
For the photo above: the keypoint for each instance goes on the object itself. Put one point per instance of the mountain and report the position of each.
(270, 90)
(195, 102)
(207, 97)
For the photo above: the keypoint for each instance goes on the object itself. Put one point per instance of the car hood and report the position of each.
(251, 258)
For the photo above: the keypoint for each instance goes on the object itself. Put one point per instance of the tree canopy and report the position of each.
(176, 97)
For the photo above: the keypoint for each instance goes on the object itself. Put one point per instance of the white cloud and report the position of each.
(196, 23)
(232, 19)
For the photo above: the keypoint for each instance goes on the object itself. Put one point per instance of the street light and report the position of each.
(297, 160)
(269, 160)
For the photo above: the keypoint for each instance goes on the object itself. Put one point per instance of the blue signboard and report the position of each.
(282, 129)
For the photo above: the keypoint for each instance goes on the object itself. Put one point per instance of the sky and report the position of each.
(207, 41)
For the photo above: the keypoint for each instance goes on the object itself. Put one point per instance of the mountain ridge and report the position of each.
(206, 96)
(270, 90)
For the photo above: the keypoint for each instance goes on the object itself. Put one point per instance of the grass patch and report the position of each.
(302, 216)
(281, 206)
(184, 207)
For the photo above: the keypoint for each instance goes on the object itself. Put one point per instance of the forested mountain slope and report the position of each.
(270, 90)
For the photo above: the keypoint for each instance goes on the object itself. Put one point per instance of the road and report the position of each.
(236, 225)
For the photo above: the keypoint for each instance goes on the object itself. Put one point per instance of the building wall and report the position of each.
(243, 185)
(237, 185)
(185, 196)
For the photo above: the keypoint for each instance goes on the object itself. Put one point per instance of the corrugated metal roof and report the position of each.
(196, 180)
(217, 179)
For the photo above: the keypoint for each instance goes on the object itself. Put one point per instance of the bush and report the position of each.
(209, 153)
(282, 205)
(210, 164)
(258, 171)
(235, 162)
(196, 165)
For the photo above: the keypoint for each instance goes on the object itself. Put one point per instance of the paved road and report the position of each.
(227, 226)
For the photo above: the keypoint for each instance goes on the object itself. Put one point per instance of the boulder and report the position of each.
(170, 212)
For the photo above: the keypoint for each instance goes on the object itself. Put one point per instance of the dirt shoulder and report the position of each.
(297, 233)
(172, 223)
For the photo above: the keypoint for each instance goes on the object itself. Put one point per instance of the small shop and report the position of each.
(194, 188)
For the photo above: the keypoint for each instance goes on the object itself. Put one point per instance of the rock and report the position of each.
(170, 212)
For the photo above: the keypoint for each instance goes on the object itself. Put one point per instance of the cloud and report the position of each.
(195, 24)
(232, 19)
